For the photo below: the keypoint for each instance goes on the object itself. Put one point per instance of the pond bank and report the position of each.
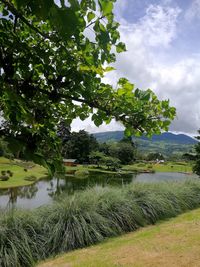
(47, 190)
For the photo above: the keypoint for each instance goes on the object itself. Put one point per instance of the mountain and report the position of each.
(168, 144)
(109, 136)
(166, 137)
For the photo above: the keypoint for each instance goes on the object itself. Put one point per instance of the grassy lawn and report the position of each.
(160, 167)
(92, 168)
(173, 243)
(173, 167)
(140, 167)
(33, 173)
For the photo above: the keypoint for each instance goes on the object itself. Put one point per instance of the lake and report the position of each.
(45, 191)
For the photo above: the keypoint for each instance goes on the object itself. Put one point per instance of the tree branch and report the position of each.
(19, 15)
(92, 22)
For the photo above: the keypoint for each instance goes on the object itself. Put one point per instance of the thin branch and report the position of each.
(92, 22)
(15, 23)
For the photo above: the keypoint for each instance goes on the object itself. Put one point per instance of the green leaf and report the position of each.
(121, 91)
(120, 47)
(20, 3)
(146, 96)
(128, 131)
(137, 93)
(90, 16)
(5, 12)
(97, 120)
(106, 7)
(109, 68)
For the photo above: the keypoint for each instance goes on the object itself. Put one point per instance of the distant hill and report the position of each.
(164, 137)
(166, 143)
(109, 136)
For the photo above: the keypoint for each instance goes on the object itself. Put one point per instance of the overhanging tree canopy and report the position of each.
(51, 72)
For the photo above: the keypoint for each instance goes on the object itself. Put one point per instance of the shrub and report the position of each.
(81, 173)
(30, 178)
(10, 173)
(149, 166)
(3, 172)
(4, 178)
(141, 164)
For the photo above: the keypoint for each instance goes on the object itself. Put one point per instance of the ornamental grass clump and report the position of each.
(21, 240)
(75, 223)
(89, 217)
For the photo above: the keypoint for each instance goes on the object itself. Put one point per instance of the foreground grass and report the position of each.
(90, 217)
(20, 177)
(175, 243)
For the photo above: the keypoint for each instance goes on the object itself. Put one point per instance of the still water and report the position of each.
(45, 191)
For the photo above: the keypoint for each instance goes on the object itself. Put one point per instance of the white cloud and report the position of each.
(180, 83)
(158, 26)
(145, 43)
(148, 42)
(193, 11)
(89, 126)
(147, 64)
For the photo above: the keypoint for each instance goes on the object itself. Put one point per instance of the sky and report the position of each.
(163, 53)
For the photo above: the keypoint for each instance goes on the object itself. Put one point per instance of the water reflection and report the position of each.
(44, 191)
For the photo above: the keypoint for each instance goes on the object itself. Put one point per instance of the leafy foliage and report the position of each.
(155, 156)
(51, 71)
(196, 167)
(112, 163)
(124, 151)
(79, 146)
(114, 153)
(96, 156)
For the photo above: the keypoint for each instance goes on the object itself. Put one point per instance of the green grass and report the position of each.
(90, 217)
(173, 243)
(162, 167)
(20, 177)
(173, 167)
(91, 168)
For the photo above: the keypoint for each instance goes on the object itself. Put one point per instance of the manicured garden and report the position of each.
(185, 167)
(23, 173)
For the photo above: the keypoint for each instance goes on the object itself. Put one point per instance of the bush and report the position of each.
(81, 173)
(89, 217)
(149, 166)
(180, 163)
(4, 178)
(30, 178)
(141, 164)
